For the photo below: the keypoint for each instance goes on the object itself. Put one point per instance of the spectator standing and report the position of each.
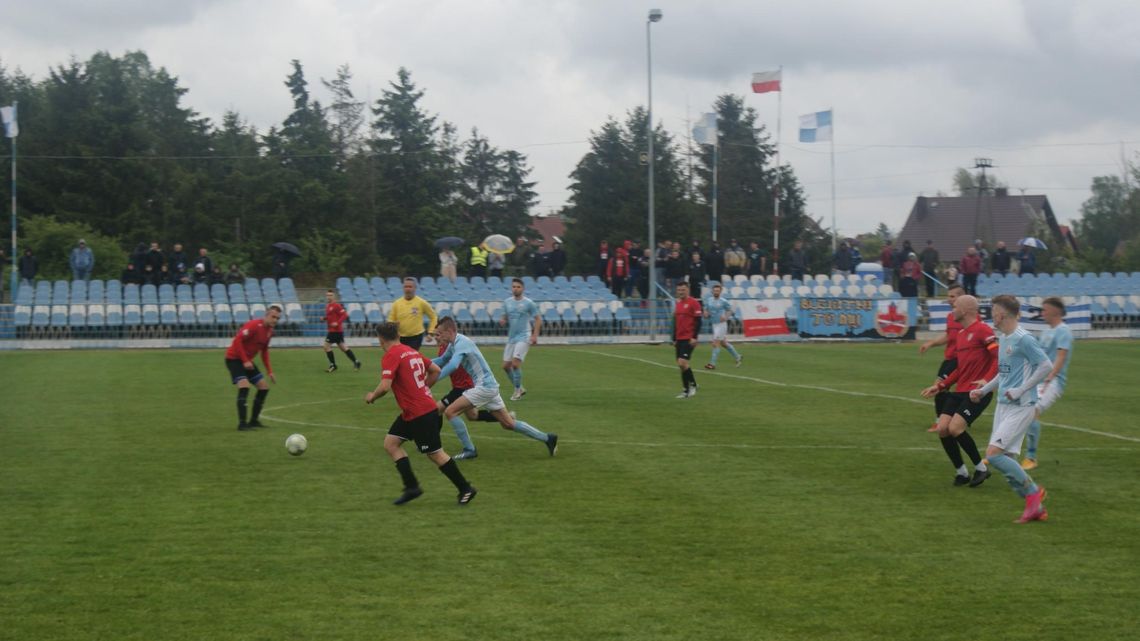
(281, 260)
(856, 257)
(842, 259)
(603, 260)
(675, 267)
(1026, 261)
(697, 274)
(971, 266)
(909, 274)
(634, 259)
(757, 264)
(797, 261)
(929, 260)
(617, 270)
(206, 263)
(149, 276)
(735, 259)
(557, 259)
(519, 259)
(660, 261)
(1000, 260)
(887, 257)
(178, 262)
(495, 264)
(983, 255)
(643, 275)
(155, 258)
(695, 246)
(538, 263)
(447, 264)
(82, 261)
(479, 260)
(714, 260)
(28, 267)
(234, 276)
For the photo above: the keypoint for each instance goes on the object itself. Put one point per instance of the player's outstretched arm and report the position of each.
(381, 389)
(432, 374)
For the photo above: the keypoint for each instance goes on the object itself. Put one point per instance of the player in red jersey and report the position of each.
(409, 375)
(686, 327)
(949, 354)
(976, 350)
(336, 317)
(251, 339)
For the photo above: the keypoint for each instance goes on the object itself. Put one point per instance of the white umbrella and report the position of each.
(499, 244)
(1030, 241)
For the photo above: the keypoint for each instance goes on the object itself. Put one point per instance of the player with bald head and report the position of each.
(976, 351)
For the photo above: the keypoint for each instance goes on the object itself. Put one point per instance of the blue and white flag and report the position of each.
(11, 127)
(705, 131)
(1078, 315)
(816, 127)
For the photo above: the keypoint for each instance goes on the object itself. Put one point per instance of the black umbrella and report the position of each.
(448, 241)
(288, 248)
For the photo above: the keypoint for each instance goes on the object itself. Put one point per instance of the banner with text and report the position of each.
(1078, 315)
(765, 317)
(873, 318)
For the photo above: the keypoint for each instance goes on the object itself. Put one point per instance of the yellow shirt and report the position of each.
(410, 315)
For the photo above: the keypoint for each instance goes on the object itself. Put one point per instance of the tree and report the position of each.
(968, 184)
(347, 114)
(1110, 215)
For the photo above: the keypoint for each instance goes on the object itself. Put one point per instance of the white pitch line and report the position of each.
(833, 390)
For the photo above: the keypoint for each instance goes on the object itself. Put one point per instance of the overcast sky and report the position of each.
(1046, 88)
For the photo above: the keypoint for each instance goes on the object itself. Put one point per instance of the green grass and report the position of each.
(130, 508)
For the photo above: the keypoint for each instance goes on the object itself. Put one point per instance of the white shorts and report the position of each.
(720, 331)
(516, 350)
(485, 398)
(1011, 422)
(1048, 394)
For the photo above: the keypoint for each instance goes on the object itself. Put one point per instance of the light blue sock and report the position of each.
(526, 429)
(1014, 475)
(732, 350)
(1031, 439)
(460, 428)
(715, 354)
(518, 376)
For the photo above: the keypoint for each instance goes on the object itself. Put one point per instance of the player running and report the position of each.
(686, 328)
(1022, 365)
(975, 347)
(409, 375)
(518, 311)
(460, 383)
(949, 355)
(334, 317)
(251, 339)
(462, 352)
(719, 310)
(1057, 341)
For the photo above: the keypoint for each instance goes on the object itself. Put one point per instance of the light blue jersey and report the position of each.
(719, 309)
(519, 314)
(462, 352)
(1053, 339)
(1018, 355)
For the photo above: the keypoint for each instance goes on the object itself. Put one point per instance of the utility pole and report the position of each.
(983, 188)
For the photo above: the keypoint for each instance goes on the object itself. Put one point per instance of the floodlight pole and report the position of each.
(654, 16)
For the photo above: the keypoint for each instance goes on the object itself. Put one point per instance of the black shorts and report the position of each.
(453, 395)
(334, 338)
(424, 430)
(684, 349)
(413, 341)
(238, 372)
(959, 403)
(946, 367)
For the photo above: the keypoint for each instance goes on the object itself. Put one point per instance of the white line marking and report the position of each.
(833, 390)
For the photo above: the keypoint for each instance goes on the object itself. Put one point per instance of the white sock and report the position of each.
(980, 467)
(962, 471)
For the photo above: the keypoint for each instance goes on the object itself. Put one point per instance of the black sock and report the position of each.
(451, 471)
(971, 448)
(939, 403)
(951, 447)
(684, 379)
(350, 355)
(691, 377)
(404, 467)
(243, 394)
(331, 357)
(258, 401)
(486, 417)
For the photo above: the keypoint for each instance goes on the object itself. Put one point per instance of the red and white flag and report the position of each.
(765, 81)
(765, 317)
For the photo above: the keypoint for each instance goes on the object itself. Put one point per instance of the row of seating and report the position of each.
(98, 292)
(362, 290)
(1060, 284)
(120, 314)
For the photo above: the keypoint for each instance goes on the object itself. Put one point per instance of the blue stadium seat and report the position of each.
(355, 313)
(41, 316)
(59, 315)
(257, 310)
(114, 292)
(77, 316)
(96, 316)
(60, 294)
(253, 292)
(78, 291)
(372, 313)
(240, 313)
(187, 314)
(236, 293)
(205, 313)
(150, 314)
(148, 294)
(222, 314)
(26, 295)
(114, 315)
(95, 292)
(132, 314)
(22, 316)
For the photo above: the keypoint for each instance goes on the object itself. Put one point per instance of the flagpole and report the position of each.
(776, 195)
(834, 229)
(15, 277)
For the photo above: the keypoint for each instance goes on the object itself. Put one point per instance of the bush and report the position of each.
(52, 241)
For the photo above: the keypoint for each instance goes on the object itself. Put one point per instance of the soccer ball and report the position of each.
(296, 444)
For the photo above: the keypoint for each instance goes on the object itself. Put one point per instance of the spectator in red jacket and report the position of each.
(970, 266)
(617, 269)
(909, 275)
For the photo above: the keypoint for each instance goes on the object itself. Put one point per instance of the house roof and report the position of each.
(549, 227)
(954, 222)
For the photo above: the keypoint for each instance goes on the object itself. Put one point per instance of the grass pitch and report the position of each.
(798, 497)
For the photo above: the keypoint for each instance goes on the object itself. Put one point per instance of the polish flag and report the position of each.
(765, 81)
(765, 317)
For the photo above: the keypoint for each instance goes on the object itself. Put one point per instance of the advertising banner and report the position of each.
(765, 317)
(868, 318)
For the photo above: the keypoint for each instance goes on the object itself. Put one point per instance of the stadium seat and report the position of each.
(132, 314)
(130, 294)
(96, 315)
(355, 313)
(59, 315)
(150, 314)
(223, 315)
(205, 314)
(240, 312)
(257, 310)
(166, 293)
(77, 316)
(78, 291)
(167, 314)
(22, 315)
(294, 313)
(114, 314)
(372, 313)
(187, 314)
(95, 292)
(149, 294)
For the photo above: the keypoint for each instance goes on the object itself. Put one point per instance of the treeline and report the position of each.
(108, 149)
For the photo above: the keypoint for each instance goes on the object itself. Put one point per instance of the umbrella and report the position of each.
(1032, 242)
(288, 248)
(448, 241)
(499, 244)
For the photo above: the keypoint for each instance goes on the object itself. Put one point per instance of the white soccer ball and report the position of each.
(296, 444)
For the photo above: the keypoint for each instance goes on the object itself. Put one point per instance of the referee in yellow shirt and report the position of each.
(409, 312)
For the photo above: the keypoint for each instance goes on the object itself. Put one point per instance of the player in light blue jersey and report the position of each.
(462, 352)
(518, 311)
(718, 309)
(1022, 364)
(1057, 341)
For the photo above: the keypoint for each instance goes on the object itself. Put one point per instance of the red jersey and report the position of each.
(977, 354)
(253, 337)
(407, 369)
(335, 317)
(686, 317)
(952, 329)
(460, 379)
